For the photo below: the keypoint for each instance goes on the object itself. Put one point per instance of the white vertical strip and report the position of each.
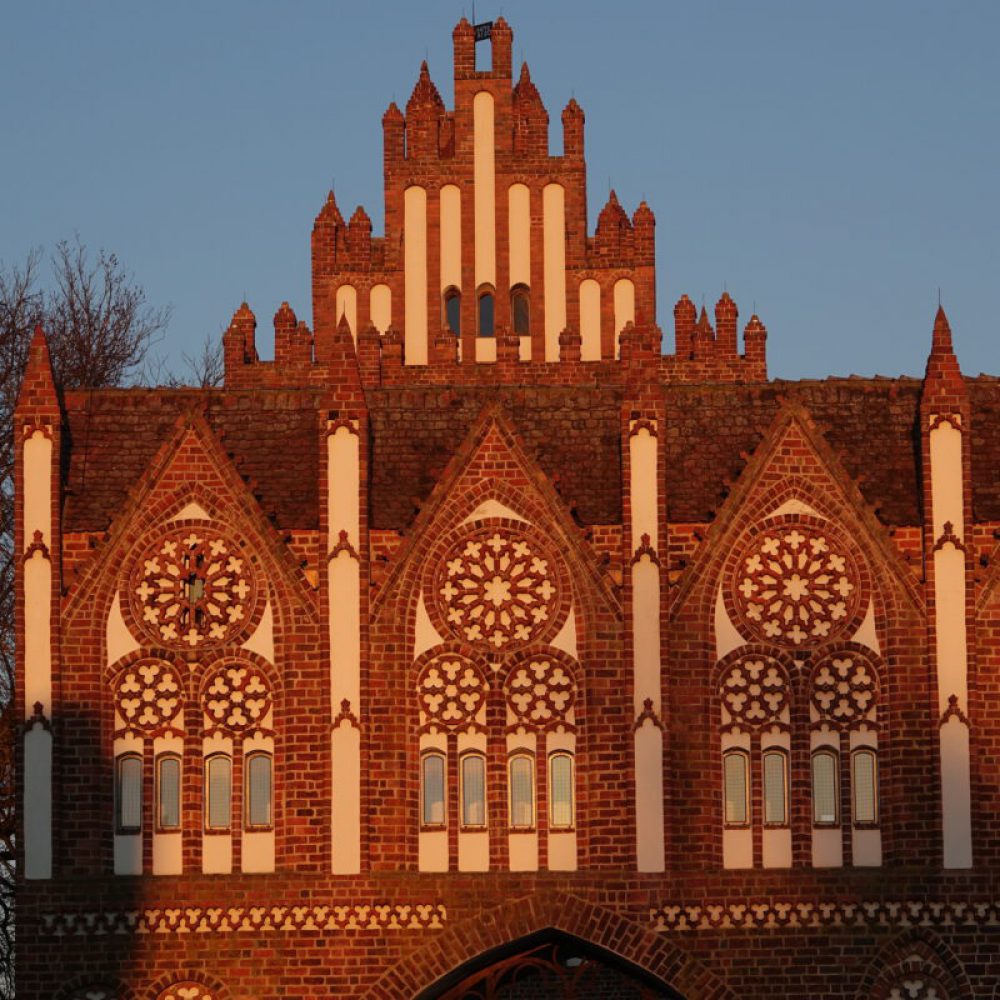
(648, 740)
(554, 266)
(451, 237)
(473, 845)
(344, 604)
(624, 309)
(562, 847)
(38, 574)
(519, 230)
(643, 491)
(432, 843)
(380, 307)
(484, 182)
(216, 848)
(347, 305)
(37, 486)
(590, 320)
(415, 275)
(950, 629)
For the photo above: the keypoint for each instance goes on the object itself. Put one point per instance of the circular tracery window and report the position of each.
(193, 589)
(497, 587)
(795, 584)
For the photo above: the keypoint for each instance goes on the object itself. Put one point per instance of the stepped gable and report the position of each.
(114, 435)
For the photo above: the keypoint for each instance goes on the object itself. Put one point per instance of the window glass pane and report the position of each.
(259, 790)
(736, 788)
(864, 787)
(219, 792)
(774, 788)
(169, 789)
(433, 790)
(453, 312)
(561, 790)
(522, 316)
(473, 791)
(486, 315)
(824, 768)
(130, 793)
(522, 792)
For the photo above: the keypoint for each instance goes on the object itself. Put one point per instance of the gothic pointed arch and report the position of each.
(548, 918)
(916, 965)
(169, 498)
(491, 479)
(795, 476)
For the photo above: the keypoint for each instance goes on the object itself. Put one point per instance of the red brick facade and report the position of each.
(345, 564)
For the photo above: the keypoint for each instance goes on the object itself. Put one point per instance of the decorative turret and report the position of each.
(502, 39)
(644, 227)
(531, 120)
(38, 387)
(359, 239)
(424, 110)
(685, 322)
(704, 336)
(726, 315)
(463, 40)
(238, 346)
(572, 120)
(943, 373)
(393, 136)
(614, 237)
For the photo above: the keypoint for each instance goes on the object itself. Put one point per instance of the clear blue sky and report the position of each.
(833, 162)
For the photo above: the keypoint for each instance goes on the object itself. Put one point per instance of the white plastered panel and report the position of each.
(415, 275)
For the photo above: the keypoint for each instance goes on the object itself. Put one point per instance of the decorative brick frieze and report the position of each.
(248, 918)
(776, 915)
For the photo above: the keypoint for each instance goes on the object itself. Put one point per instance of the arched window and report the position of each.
(473, 778)
(522, 792)
(486, 304)
(258, 793)
(128, 793)
(864, 781)
(218, 792)
(453, 310)
(432, 789)
(774, 764)
(736, 774)
(520, 310)
(560, 790)
(825, 766)
(168, 792)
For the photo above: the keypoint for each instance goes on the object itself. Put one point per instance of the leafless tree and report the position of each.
(100, 330)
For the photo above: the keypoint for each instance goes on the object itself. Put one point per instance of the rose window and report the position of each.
(451, 690)
(194, 590)
(238, 698)
(497, 587)
(754, 691)
(148, 695)
(539, 691)
(795, 585)
(844, 689)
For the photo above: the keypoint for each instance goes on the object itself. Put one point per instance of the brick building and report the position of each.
(475, 647)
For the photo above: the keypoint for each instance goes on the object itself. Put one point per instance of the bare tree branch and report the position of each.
(100, 331)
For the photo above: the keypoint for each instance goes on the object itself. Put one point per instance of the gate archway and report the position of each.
(550, 965)
(468, 952)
